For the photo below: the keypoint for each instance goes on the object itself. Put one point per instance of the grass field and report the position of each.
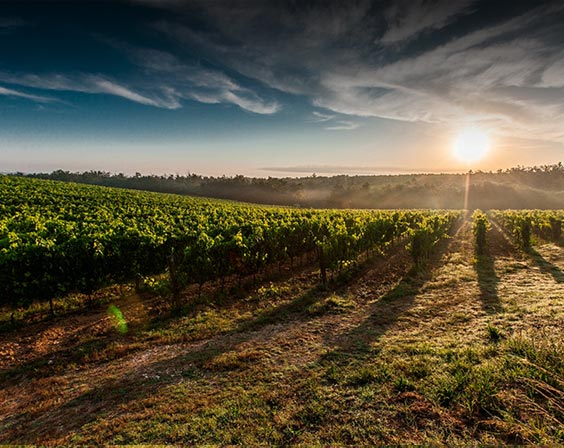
(464, 350)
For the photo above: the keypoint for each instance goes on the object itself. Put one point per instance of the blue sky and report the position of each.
(275, 88)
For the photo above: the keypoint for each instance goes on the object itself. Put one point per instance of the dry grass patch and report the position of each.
(464, 351)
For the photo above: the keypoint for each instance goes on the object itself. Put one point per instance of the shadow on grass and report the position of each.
(190, 362)
(545, 266)
(385, 312)
(54, 362)
(193, 361)
(488, 281)
(388, 309)
(295, 309)
(142, 381)
(103, 348)
(282, 312)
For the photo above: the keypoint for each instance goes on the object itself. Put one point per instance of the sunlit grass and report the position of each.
(423, 361)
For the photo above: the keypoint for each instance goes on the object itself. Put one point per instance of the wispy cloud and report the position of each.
(321, 117)
(439, 61)
(15, 93)
(101, 85)
(408, 18)
(87, 83)
(336, 123)
(193, 81)
(466, 79)
(246, 100)
(503, 68)
(166, 83)
(250, 101)
(343, 126)
(165, 63)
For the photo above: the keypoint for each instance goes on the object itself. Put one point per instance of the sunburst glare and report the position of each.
(471, 145)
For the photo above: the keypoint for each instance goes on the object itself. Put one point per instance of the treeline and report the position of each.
(516, 188)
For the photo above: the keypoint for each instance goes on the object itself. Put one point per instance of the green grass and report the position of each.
(11, 319)
(392, 356)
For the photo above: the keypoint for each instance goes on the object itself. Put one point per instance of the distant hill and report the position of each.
(539, 187)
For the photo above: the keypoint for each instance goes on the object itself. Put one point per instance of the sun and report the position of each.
(471, 145)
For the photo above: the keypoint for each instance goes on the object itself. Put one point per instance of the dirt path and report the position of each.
(268, 358)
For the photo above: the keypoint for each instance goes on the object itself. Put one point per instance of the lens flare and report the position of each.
(120, 323)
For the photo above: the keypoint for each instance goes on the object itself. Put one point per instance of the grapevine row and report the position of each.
(523, 224)
(58, 238)
(480, 227)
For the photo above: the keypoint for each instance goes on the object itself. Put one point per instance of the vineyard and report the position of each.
(214, 322)
(58, 238)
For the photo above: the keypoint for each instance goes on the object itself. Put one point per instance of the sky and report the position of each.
(279, 88)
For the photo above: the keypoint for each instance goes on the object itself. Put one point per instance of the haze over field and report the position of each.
(280, 88)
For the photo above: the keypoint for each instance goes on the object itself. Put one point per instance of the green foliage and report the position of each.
(480, 226)
(427, 232)
(546, 224)
(524, 232)
(160, 287)
(555, 228)
(57, 238)
(523, 224)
